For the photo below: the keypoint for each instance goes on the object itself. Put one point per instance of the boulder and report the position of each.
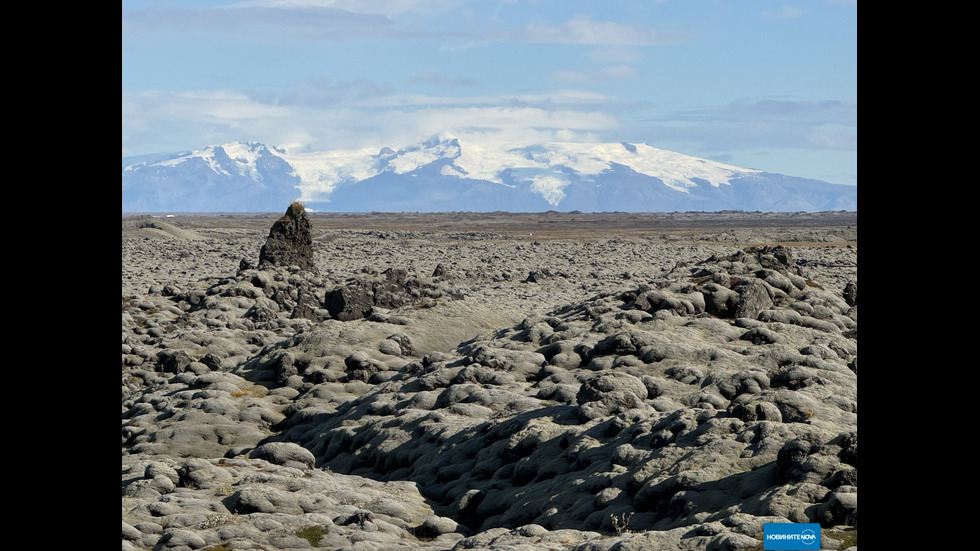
(347, 303)
(754, 298)
(284, 453)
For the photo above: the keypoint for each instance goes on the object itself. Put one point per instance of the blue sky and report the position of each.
(754, 83)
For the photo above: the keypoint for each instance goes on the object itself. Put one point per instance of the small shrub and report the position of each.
(621, 524)
(213, 521)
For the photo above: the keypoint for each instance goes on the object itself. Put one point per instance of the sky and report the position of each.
(759, 84)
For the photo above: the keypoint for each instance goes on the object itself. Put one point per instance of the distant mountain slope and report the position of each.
(442, 174)
(233, 178)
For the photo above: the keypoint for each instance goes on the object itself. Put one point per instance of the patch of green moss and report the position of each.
(847, 538)
(312, 534)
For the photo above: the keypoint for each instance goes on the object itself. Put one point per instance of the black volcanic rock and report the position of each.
(290, 241)
(347, 303)
(851, 293)
(357, 299)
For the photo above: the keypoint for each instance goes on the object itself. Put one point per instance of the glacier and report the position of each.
(446, 173)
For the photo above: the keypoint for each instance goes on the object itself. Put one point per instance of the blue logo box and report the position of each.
(790, 536)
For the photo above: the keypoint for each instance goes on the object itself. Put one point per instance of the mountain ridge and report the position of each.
(445, 173)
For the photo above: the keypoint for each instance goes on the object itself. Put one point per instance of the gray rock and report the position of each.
(263, 500)
(179, 540)
(840, 508)
(284, 453)
(434, 526)
(264, 309)
(285, 367)
(141, 489)
(755, 411)
(760, 335)
(201, 473)
(307, 305)
(719, 300)
(130, 532)
(791, 457)
(754, 298)
(158, 468)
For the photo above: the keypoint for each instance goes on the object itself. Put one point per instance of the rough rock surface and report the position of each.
(290, 241)
(633, 394)
(364, 296)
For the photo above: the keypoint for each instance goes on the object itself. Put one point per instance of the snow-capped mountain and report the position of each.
(445, 173)
(232, 177)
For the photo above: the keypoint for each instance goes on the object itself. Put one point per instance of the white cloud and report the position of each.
(580, 98)
(572, 76)
(785, 12)
(764, 123)
(583, 30)
(385, 7)
(323, 92)
(617, 73)
(196, 119)
(776, 110)
(833, 136)
(438, 78)
(265, 22)
(201, 118)
(614, 54)
(258, 21)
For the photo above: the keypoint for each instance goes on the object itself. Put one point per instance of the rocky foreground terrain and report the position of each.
(523, 383)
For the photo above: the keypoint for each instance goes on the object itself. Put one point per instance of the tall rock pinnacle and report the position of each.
(290, 241)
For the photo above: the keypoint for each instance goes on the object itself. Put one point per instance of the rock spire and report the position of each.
(290, 241)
